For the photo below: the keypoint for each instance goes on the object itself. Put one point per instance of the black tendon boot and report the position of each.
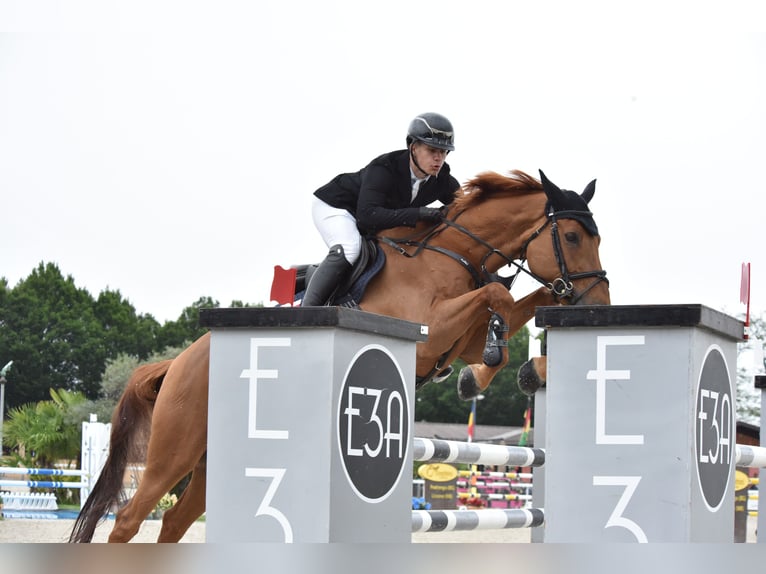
(326, 278)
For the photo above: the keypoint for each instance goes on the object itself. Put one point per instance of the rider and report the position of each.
(393, 190)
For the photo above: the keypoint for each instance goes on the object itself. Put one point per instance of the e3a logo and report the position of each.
(715, 434)
(373, 423)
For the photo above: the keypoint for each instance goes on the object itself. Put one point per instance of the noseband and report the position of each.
(561, 287)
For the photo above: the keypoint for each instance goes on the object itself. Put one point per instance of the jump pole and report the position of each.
(310, 418)
(638, 424)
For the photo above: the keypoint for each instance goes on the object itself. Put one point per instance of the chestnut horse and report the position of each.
(444, 276)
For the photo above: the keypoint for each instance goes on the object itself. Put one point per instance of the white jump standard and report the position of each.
(309, 425)
(639, 417)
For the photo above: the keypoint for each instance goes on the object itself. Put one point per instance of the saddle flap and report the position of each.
(367, 256)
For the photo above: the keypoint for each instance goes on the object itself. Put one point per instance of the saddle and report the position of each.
(348, 294)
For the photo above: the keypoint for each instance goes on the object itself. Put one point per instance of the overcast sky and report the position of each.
(169, 149)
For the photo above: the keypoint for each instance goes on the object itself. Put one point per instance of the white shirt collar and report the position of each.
(416, 183)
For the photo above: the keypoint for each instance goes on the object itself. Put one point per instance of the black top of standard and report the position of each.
(694, 315)
(311, 317)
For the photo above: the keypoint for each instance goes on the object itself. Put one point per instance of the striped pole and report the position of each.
(437, 450)
(494, 496)
(494, 474)
(41, 471)
(41, 484)
(751, 456)
(485, 519)
(496, 484)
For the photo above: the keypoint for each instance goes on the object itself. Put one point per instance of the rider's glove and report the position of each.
(429, 214)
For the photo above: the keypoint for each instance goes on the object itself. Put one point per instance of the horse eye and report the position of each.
(572, 237)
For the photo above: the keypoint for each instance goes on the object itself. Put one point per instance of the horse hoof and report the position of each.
(467, 388)
(528, 379)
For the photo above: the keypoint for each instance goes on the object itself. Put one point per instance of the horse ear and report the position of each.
(590, 189)
(554, 194)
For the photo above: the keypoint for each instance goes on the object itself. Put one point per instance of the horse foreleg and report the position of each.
(458, 323)
(497, 341)
(177, 520)
(486, 356)
(532, 375)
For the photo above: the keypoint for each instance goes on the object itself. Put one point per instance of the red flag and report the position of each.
(744, 285)
(283, 285)
(744, 296)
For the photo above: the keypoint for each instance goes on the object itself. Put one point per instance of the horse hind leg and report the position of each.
(130, 517)
(162, 473)
(177, 520)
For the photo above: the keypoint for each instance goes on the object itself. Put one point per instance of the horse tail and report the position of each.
(131, 426)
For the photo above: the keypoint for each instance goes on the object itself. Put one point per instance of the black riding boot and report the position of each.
(326, 278)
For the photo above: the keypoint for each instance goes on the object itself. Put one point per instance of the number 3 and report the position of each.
(276, 474)
(617, 519)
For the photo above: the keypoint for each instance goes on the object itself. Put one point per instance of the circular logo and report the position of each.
(715, 438)
(373, 423)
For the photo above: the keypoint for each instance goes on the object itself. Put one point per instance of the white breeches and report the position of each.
(337, 227)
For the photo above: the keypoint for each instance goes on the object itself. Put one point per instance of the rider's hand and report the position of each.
(429, 214)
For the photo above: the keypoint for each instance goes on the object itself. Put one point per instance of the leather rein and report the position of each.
(562, 287)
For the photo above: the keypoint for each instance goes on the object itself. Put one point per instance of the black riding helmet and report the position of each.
(432, 129)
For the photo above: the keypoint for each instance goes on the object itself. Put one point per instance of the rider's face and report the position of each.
(430, 159)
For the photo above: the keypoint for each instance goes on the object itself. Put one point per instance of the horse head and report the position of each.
(569, 264)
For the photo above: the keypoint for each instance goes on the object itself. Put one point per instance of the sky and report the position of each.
(169, 149)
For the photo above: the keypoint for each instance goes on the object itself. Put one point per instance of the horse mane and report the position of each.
(491, 183)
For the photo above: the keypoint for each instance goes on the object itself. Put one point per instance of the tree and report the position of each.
(50, 331)
(185, 329)
(60, 337)
(4, 291)
(124, 331)
(43, 433)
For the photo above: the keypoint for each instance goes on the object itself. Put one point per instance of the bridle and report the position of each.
(561, 287)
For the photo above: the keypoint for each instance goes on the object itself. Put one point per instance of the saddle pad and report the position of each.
(355, 293)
